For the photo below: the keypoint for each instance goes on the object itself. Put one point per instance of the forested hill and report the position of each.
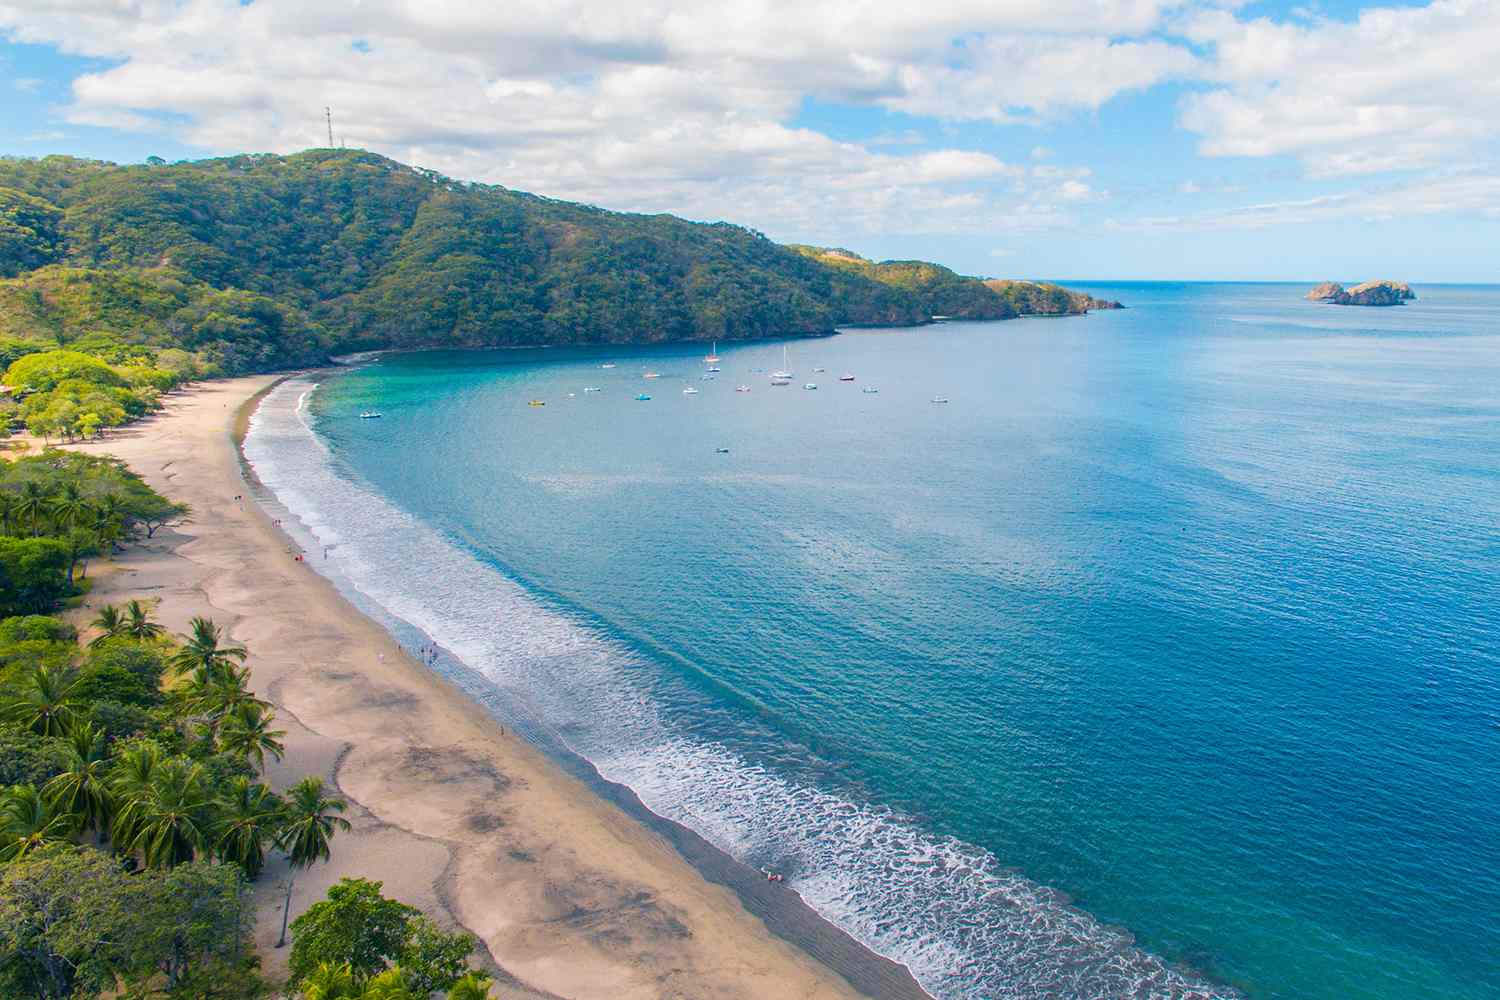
(261, 261)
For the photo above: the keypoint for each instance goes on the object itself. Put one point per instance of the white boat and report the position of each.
(786, 371)
(817, 371)
(713, 354)
(652, 375)
(846, 378)
(690, 391)
(714, 368)
(809, 385)
(940, 399)
(607, 364)
(869, 390)
(742, 388)
(371, 415)
(781, 381)
(591, 388)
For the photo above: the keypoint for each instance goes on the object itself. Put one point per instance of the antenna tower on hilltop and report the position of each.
(328, 113)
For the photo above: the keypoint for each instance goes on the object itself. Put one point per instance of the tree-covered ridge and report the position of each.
(258, 261)
(945, 293)
(107, 312)
(1040, 298)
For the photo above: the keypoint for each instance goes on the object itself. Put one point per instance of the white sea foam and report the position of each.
(965, 926)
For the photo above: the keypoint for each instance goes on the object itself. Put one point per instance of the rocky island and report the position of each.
(1370, 293)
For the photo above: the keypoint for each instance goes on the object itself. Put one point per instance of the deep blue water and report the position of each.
(1164, 660)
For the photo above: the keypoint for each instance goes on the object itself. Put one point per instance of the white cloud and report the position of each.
(1019, 77)
(27, 84)
(1399, 88)
(1470, 193)
(654, 105)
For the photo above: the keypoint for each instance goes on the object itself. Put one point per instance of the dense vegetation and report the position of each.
(945, 293)
(133, 812)
(255, 262)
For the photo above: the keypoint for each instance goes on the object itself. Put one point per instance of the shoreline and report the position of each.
(572, 886)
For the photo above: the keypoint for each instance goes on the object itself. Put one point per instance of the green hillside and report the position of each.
(256, 262)
(945, 293)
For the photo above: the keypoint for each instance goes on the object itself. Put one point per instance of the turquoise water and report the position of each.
(1162, 661)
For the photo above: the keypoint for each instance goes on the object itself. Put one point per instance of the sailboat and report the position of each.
(713, 353)
(785, 372)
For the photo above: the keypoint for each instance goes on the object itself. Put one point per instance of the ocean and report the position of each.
(1161, 660)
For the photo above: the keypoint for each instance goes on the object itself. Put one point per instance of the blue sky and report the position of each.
(1066, 138)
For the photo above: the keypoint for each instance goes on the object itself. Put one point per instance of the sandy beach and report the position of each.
(571, 896)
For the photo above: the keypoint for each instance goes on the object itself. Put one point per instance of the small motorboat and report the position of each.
(690, 391)
(869, 390)
(642, 396)
(591, 388)
(607, 364)
(536, 402)
(708, 378)
(809, 385)
(781, 381)
(818, 371)
(714, 368)
(371, 415)
(742, 388)
(940, 399)
(652, 375)
(846, 378)
(721, 451)
(572, 395)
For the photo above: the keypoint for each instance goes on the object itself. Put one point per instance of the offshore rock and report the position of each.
(1370, 293)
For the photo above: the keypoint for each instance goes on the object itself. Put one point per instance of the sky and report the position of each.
(1067, 139)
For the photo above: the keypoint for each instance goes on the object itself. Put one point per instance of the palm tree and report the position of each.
(474, 986)
(130, 783)
(111, 621)
(202, 655)
(7, 509)
(218, 699)
(106, 528)
(82, 788)
(46, 704)
(70, 507)
(138, 623)
(170, 822)
(246, 732)
(330, 981)
(311, 819)
(389, 985)
(249, 817)
(31, 502)
(27, 822)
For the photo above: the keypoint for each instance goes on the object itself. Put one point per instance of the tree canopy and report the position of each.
(253, 262)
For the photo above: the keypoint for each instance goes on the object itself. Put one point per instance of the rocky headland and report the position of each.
(1370, 293)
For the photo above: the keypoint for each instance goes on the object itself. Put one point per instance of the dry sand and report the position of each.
(571, 896)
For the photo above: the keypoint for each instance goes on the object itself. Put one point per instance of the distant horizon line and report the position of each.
(1250, 281)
